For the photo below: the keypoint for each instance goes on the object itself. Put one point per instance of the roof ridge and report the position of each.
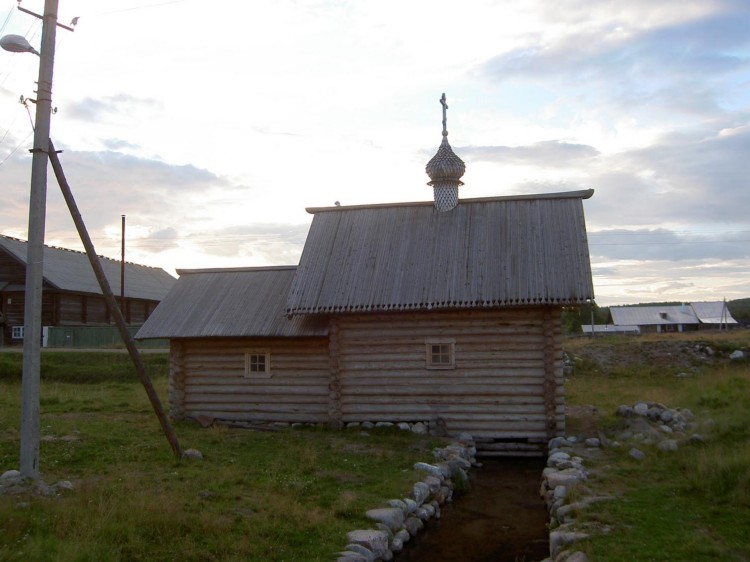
(577, 194)
(237, 269)
(82, 252)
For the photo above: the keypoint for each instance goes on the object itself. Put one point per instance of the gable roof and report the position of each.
(653, 315)
(489, 252)
(713, 312)
(240, 302)
(70, 270)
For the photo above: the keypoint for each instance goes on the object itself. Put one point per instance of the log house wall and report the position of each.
(207, 379)
(507, 383)
(506, 388)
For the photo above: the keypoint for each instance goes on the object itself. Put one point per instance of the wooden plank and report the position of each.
(287, 416)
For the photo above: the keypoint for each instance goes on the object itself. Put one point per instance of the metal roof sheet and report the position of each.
(653, 315)
(693, 313)
(238, 302)
(713, 312)
(70, 270)
(489, 252)
(609, 329)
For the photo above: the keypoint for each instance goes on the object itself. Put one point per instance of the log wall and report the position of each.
(506, 389)
(506, 386)
(207, 378)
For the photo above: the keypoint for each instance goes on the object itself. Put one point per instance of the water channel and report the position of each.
(501, 519)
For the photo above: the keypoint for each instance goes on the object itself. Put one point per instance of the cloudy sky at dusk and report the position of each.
(212, 125)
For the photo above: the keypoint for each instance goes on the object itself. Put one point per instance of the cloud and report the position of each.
(668, 245)
(271, 243)
(158, 241)
(117, 145)
(683, 64)
(97, 109)
(639, 281)
(692, 178)
(552, 153)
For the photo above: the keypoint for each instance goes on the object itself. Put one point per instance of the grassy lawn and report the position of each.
(293, 494)
(689, 505)
(286, 495)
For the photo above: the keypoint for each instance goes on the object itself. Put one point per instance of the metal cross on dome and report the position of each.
(445, 118)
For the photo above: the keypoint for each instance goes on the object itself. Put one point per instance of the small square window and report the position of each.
(16, 332)
(257, 363)
(440, 354)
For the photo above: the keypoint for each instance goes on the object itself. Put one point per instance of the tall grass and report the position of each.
(722, 474)
(686, 505)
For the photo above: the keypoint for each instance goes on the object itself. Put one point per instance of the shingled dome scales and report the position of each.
(445, 170)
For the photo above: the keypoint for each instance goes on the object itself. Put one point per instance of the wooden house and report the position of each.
(234, 355)
(674, 318)
(71, 296)
(446, 312)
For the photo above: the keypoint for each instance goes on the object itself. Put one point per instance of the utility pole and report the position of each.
(122, 269)
(32, 337)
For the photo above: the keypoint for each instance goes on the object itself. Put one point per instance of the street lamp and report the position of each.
(17, 44)
(32, 319)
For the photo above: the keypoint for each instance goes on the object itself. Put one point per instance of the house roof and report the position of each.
(609, 329)
(70, 270)
(652, 315)
(243, 302)
(489, 252)
(713, 312)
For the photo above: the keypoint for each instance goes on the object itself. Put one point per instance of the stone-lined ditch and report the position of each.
(501, 519)
(506, 516)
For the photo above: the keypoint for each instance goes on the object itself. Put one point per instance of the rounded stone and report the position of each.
(637, 454)
(640, 409)
(391, 517)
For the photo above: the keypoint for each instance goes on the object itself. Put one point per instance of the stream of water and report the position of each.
(501, 519)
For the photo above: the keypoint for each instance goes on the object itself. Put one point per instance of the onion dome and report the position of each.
(445, 170)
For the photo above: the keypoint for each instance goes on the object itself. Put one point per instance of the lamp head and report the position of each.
(16, 44)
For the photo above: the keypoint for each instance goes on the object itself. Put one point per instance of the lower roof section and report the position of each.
(238, 302)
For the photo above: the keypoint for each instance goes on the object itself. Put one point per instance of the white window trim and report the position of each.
(428, 343)
(16, 332)
(257, 374)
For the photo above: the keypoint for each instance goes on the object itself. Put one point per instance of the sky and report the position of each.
(213, 125)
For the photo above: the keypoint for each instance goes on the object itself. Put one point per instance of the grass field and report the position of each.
(689, 505)
(271, 496)
(292, 495)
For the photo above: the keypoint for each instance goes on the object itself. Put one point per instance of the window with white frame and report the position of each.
(440, 353)
(16, 332)
(258, 363)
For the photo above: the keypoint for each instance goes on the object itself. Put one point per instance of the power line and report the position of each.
(17, 147)
(667, 243)
(7, 19)
(664, 232)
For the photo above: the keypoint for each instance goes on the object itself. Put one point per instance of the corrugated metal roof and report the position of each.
(245, 302)
(609, 329)
(70, 270)
(693, 313)
(486, 252)
(652, 315)
(711, 312)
